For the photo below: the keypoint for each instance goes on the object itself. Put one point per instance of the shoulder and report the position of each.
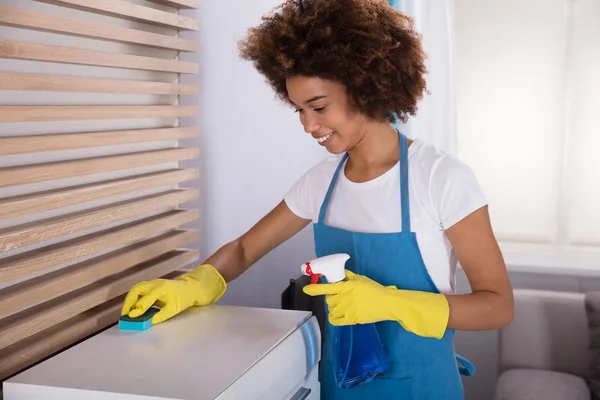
(432, 163)
(446, 186)
(321, 173)
(304, 195)
(327, 165)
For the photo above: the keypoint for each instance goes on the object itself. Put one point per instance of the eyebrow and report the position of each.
(309, 100)
(314, 99)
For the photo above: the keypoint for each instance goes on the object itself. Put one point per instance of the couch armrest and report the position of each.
(549, 331)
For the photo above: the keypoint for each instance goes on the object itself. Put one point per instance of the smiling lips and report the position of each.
(323, 139)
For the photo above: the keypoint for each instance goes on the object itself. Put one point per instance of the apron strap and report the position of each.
(404, 194)
(467, 368)
(325, 203)
(404, 200)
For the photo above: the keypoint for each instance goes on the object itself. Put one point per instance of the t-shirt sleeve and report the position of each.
(298, 197)
(455, 191)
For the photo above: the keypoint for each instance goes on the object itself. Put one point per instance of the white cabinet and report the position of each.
(206, 353)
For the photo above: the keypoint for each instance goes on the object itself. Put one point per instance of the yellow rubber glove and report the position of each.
(202, 286)
(360, 300)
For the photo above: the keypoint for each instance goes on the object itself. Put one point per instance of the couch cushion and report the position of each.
(549, 332)
(592, 311)
(532, 384)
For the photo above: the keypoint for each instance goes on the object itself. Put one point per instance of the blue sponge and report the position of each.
(140, 323)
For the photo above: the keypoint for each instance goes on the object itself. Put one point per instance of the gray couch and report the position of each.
(544, 351)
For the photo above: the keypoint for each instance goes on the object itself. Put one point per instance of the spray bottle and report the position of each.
(358, 355)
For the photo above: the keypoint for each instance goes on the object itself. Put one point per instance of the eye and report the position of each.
(319, 109)
(298, 110)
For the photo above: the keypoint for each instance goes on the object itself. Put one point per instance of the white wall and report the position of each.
(252, 150)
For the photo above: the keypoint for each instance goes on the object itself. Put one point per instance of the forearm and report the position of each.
(481, 310)
(234, 258)
(229, 260)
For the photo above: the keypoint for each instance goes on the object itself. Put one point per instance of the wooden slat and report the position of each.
(55, 83)
(45, 259)
(27, 323)
(46, 287)
(179, 4)
(23, 175)
(70, 55)
(49, 342)
(77, 113)
(36, 348)
(55, 228)
(44, 22)
(130, 11)
(71, 141)
(13, 207)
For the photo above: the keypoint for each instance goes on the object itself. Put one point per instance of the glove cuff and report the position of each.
(211, 283)
(440, 314)
(423, 313)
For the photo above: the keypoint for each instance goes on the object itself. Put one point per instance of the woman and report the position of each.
(404, 211)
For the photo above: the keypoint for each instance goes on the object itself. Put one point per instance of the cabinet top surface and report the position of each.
(197, 354)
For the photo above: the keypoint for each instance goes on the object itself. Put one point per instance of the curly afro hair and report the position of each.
(370, 48)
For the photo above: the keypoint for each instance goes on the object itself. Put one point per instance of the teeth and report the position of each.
(324, 138)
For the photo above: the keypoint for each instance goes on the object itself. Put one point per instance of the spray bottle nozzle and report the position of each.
(331, 267)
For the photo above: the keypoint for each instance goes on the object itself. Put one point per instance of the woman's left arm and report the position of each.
(490, 305)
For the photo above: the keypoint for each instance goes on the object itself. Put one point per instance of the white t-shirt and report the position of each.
(442, 191)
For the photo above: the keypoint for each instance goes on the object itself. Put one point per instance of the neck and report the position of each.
(379, 145)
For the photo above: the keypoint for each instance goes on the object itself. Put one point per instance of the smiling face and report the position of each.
(325, 112)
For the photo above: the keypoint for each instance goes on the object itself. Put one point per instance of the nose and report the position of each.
(310, 124)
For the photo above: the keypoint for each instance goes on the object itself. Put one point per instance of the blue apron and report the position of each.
(419, 368)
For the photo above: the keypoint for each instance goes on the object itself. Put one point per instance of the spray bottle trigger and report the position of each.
(314, 278)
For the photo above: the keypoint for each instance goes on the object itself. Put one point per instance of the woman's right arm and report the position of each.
(205, 284)
(237, 256)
